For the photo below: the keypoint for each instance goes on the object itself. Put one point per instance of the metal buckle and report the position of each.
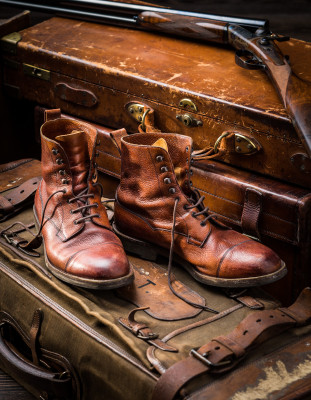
(206, 361)
(150, 336)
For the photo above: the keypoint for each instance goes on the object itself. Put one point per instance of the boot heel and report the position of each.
(141, 249)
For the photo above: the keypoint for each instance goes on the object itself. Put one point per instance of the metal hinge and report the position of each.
(36, 72)
(9, 42)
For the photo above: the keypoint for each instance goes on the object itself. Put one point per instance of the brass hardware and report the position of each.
(36, 72)
(219, 140)
(137, 111)
(189, 120)
(244, 144)
(9, 42)
(187, 103)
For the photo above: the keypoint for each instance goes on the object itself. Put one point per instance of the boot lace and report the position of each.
(171, 253)
(82, 198)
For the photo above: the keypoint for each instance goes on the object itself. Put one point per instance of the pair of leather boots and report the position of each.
(156, 212)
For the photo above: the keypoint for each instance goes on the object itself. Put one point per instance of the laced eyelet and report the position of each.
(167, 181)
(185, 207)
(202, 223)
(55, 151)
(193, 214)
(75, 222)
(59, 161)
(96, 204)
(71, 211)
(159, 158)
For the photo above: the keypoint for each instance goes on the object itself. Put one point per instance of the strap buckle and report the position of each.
(203, 358)
(149, 336)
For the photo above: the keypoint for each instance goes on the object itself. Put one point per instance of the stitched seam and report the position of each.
(109, 154)
(226, 252)
(15, 165)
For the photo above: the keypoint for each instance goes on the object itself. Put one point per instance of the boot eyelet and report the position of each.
(65, 181)
(202, 223)
(164, 169)
(159, 158)
(186, 207)
(59, 161)
(187, 148)
(96, 204)
(193, 214)
(75, 222)
(97, 154)
(172, 190)
(98, 143)
(167, 181)
(62, 172)
(71, 211)
(55, 151)
(190, 183)
(191, 172)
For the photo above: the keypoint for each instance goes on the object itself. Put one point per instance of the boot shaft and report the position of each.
(150, 174)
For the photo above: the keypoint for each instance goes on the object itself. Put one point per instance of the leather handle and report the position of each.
(82, 97)
(37, 377)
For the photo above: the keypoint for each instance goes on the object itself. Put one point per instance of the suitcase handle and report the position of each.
(46, 383)
(79, 96)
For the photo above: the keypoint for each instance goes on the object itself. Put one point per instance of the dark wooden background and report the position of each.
(286, 17)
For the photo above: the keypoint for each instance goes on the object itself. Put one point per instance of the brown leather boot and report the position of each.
(80, 246)
(156, 210)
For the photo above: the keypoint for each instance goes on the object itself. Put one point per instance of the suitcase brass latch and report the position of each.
(36, 72)
(188, 120)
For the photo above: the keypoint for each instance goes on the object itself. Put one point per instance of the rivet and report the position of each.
(238, 149)
(131, 109)
(302, 167)
(140, 109)
(140, 118)
(250, 146)
(238, 139)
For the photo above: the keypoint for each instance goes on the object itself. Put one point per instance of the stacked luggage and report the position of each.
(153, 294)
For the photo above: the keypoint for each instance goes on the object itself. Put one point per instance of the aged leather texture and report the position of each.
(152, 181)
(79, 243)
(114, 67)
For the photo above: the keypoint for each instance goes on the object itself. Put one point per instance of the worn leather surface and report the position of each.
(232, 347)
(87, 248)
(118, 66)
(144, 210)
(16, 172)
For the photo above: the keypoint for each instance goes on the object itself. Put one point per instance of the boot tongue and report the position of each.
(76, 149)
(178, 170)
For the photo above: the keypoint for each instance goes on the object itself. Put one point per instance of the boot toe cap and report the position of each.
(104, 262)
(249, 259)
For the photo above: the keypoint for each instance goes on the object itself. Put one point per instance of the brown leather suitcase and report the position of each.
(277, 213)
(111, 75)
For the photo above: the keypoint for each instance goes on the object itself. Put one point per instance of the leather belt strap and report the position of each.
(223, 352)
(12, 201)
(251, 212)
(142, 331)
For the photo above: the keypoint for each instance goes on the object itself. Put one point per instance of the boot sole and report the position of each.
(86, 283)
(151, 252)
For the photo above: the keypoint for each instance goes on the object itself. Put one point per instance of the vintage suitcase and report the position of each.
(111, 76)
(277, 213)
(64, 342)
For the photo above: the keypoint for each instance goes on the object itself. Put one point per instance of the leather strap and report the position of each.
(224, 352)
(12, 201)
(49, 115)
(251, 212)
(116, 137)
(142, 331)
